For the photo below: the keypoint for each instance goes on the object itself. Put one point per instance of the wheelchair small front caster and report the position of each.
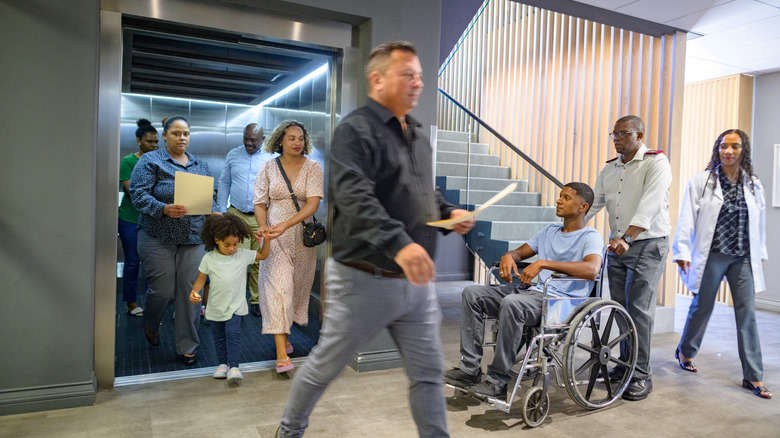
(535, 407)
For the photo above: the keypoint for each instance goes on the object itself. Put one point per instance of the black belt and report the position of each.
(251, 213)
(373, 270)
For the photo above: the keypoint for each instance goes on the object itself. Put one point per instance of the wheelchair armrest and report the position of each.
(559, 276)
(520, 265)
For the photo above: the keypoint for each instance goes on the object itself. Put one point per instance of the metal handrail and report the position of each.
(530, 161)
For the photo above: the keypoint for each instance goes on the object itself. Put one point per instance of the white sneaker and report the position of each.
(221, 372)
(235, 375)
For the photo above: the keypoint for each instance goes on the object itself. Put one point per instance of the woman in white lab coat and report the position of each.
(721, 232)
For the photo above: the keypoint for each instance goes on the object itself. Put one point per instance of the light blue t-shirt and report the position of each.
(551, 243)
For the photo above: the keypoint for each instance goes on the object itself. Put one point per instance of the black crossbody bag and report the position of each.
(313, 232)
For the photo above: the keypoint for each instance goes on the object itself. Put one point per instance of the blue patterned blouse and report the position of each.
(731, 231)
(151, 188)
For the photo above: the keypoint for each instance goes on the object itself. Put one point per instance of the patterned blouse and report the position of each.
(151, 188)
(731, 231)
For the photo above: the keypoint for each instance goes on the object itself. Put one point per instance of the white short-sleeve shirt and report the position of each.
(227, 280)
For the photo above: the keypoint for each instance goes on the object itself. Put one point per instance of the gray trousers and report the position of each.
(514, 307)
(739, 274)
(358, 306)
(171, 271)
(633, 282)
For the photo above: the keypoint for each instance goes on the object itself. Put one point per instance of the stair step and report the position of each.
(514, 198)
(504, 226)
(515, 230)
(462, 147)
(500, 212)
(477, 170)
(497, 184)
(461, 157)
(442, 134)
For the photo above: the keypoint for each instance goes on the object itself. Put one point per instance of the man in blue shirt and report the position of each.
(235, 190)
(570, 248)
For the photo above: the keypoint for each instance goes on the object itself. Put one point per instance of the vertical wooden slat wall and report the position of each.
(710, 108)
(554, 85)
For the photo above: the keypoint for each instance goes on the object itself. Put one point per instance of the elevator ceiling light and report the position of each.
(297, 84)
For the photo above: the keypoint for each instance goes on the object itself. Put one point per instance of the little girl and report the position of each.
(225, 265)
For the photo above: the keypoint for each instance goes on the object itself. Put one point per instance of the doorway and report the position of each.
(292, 80)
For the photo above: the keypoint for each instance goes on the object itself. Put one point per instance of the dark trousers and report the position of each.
(633, 283)
(129, 238)
(227, 340)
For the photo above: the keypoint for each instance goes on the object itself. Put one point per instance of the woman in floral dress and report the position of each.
(287, 276)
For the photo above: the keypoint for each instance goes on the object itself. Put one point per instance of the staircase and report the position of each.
(507, 224)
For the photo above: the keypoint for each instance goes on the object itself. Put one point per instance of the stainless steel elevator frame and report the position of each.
(347, 34)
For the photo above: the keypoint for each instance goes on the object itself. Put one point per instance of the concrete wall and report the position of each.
(766, 116)
(415, 21)
(48, 95)
(457, 14)
(48, 113)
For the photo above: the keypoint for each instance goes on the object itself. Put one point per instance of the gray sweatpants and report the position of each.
(358, 306)
(514, 307)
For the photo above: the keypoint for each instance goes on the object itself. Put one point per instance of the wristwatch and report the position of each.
(628, 239)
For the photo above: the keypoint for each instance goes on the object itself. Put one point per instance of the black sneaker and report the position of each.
(616, 374)
(638, 389)
(489, 389)
(461, 379)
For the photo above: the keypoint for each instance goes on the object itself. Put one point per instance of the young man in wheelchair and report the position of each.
(570, 248)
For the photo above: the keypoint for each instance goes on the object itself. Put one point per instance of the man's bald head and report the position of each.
(253, 138)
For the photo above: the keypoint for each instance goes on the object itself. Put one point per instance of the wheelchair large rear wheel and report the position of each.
(601, 340)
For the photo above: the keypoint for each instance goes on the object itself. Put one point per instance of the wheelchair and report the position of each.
(580, 351)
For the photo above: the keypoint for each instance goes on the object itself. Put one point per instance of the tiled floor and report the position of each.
(708, 404)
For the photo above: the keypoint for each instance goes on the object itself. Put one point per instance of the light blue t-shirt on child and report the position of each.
(551, 243)
(227, 283)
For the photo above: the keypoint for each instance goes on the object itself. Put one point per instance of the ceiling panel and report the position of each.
(169, 59)
(663, 11)
(725, 17)
(608, 4)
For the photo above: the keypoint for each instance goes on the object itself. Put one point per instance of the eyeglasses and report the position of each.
(735, 146)
(621, 134)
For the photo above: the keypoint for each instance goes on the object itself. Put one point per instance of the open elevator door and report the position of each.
(219, 81)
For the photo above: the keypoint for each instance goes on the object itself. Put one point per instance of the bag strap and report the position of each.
(289, 186)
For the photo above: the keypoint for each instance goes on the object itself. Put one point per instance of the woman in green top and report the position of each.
(146, 135)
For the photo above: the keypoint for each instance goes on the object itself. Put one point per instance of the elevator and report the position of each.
(221, 66)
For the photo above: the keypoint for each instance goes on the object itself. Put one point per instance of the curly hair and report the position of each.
(220, 227)
(745, 165)
(273, 144)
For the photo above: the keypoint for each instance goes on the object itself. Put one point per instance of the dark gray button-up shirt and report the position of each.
(381, 187)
